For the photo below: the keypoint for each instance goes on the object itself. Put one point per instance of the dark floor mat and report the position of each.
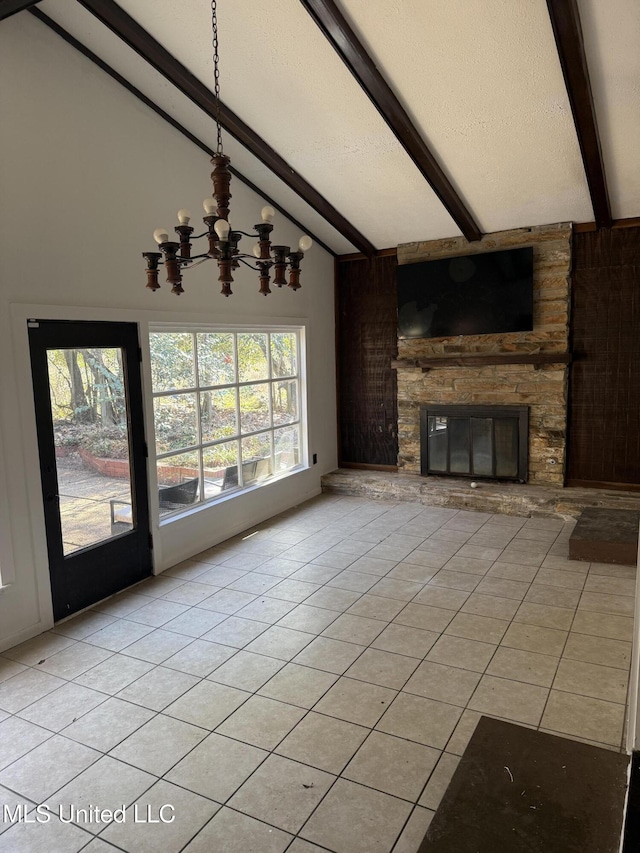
(521, 791)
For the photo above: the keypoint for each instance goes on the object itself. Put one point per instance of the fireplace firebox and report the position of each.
(488, 442)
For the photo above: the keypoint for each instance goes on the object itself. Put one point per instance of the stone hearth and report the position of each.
(507, 498)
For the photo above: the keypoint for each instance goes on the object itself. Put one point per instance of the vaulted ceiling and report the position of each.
(375, 122)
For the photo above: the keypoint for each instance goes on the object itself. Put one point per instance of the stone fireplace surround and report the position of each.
(540, 386)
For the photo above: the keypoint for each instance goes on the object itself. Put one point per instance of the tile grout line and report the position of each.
(498, 646)
(405, 603)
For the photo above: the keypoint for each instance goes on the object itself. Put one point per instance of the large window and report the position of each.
(227, 411)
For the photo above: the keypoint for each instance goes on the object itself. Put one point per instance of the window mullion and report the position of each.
(238, 421)
(270, 396)
(196, 368)
(173, 391)
(180, 451)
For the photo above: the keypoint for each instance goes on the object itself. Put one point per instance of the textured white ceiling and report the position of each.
(611, 30)
(283, 78)
(480, 78)
(83, 26)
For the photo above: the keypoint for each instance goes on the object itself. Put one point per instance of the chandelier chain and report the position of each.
(216, 73)
(176, 254)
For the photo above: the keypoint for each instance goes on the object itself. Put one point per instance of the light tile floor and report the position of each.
(311, 684)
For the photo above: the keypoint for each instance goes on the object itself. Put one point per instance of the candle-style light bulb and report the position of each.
(305, 243)
(257, 251)
(210, 206)
(161, 235)
(222, 228)
(184, 216)
(267, 213)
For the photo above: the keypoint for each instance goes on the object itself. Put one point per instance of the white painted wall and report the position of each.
(632, 740)
(86, 174)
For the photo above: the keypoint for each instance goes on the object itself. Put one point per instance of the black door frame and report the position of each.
(90, 574)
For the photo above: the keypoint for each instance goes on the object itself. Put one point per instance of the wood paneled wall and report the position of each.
(604, 400)
(366, 334)
(604, 409)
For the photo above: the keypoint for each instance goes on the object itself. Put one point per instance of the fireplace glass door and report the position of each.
(475, 441)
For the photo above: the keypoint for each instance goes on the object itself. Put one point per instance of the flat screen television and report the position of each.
(468, 295)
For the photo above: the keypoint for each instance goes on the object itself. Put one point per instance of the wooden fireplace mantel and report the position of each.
(481, 360)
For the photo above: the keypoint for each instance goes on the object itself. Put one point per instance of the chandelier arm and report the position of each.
(253, 260)
(203, 259)
(241, 258)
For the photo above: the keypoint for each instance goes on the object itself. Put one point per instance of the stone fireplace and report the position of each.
(519, 369)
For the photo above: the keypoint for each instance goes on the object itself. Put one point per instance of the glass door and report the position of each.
(88, 401)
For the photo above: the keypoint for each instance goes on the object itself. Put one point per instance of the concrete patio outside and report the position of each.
(84, 502)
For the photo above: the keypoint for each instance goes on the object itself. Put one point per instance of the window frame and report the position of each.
(7, 563)
(239, 436)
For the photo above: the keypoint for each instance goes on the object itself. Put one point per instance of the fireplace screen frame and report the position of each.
(519, 413)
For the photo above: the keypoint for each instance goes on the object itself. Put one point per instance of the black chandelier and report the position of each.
(223, 239)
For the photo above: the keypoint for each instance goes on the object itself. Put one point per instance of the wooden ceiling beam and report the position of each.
(11, 7)
(139, 40)
(343, 39)
(617, 224)
(565, 20)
